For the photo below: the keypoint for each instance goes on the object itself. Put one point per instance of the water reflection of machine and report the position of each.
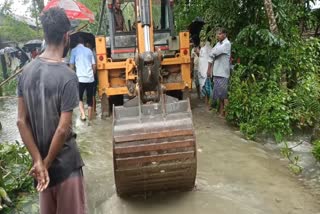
(154, 144)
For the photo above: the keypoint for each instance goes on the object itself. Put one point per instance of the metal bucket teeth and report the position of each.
(153, 151)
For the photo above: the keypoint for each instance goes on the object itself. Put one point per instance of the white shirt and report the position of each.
(220, 56)
(83, 60)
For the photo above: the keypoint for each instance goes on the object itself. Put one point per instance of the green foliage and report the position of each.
(277, 86)
(185, 13)
(15, 163)
(316, 150)
(9, 88)
(5, 6)
(17, 31)
(257, 103)
(257, 106)
(305, 101)
(95, 7)
(233, 16)
(287, 152)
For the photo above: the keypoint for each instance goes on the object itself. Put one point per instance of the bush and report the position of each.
(305, 100)
(258, 107)
(316, 150)
(15, 163)
(277, 86)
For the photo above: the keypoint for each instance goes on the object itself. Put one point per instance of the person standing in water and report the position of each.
(83, 62)
(219, 58)
(47, 95)
(94, 101)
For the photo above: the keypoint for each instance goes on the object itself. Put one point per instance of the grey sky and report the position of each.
(20, 9)
(317, 4)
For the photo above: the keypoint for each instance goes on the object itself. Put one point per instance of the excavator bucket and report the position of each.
(154, 148)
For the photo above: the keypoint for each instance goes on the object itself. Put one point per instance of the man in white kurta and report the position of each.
(203, 63)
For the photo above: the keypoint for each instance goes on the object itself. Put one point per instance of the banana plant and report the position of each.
(4, 199)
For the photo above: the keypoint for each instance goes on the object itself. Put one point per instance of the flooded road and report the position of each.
(8, 116)
(235, 176)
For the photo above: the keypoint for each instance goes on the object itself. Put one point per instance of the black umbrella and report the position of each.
(32, 44)
(21, 54)
(195, 27)
(16, 52)
(87, 37)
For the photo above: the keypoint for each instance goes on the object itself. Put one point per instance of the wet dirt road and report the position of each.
(235, 176)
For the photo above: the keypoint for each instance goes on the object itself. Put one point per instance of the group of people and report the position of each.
(49, 90)
(212, 66)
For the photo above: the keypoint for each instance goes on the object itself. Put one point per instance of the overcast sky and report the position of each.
(317, 4)
(19, 9)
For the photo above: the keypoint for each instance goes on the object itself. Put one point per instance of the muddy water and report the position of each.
(8, 117)
(234, 176)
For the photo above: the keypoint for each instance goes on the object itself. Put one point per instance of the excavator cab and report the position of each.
(154, 145)
(123, 44)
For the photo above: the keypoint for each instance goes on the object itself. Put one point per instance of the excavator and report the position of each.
(154, 143)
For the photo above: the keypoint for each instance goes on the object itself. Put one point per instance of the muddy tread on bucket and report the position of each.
(153, 151)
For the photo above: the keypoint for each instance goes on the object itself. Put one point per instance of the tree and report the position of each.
(316, 20)
(35, 11)
(272, 20)
(95, 7)
(5, 7)
(35, 4)
(16, 31)
(234, 15)
(40, 4)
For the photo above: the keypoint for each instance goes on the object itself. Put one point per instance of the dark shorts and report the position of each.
(66, 197)
(88, 87)
(95, 83)
(220, 88)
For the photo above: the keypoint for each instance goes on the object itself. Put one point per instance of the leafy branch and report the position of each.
(287, 152)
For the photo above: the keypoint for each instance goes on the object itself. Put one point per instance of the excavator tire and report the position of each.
(108, 102)
(105, 107)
